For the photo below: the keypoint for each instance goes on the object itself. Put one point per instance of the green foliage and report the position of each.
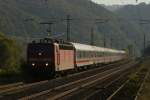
(131, 87)
(122, 31)
(13, 13)
(138, 16)
(10, 55)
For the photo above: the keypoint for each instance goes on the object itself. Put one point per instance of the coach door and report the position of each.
(57, 57)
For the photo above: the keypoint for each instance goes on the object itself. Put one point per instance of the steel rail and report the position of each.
(80, 83)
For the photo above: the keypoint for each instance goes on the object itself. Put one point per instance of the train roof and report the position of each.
(84, 47)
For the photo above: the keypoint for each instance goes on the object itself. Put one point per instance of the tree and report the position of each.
(10, 54)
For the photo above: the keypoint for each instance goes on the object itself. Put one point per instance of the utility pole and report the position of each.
(104, 35)
(68, 19)
(49, 30)
(111, 42)
(144, 41)
(135, 42)
(144, 35)
(92, 36)
(104, 40)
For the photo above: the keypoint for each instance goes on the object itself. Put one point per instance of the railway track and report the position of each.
(63, 90)
(9, 86)
(71, 83)
(105, 90)
(99, 92)
(18, 88)
(80, 92)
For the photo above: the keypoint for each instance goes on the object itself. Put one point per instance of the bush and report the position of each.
(9, 55)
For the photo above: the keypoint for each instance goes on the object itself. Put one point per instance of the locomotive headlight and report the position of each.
(46, 64)
(39, 53)
(33, 64)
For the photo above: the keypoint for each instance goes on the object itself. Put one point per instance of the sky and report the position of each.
(122, 2)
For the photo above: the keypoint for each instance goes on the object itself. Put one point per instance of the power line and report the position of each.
(49, 30)
(68, 20)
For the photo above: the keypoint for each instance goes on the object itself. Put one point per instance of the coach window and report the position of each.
(92, 54)
(95, 54)
(86, 54)
(89, 54)
(106, 53)
(99, 54)
(79, 54)
(109, 53)
(83, 54)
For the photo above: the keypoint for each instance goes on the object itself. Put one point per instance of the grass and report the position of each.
(9, 76)
(145, 93)
(5, 73)
(129, 91)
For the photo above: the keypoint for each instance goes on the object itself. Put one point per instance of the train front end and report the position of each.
(40, 58)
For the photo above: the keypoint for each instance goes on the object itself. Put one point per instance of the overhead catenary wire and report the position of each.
(86, 19)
